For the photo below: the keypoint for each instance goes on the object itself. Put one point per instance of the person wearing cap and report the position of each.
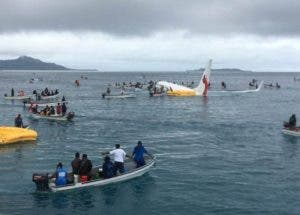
(119, 156)
(138, 154)
(85, 166)
(107, 168)
(60, 175)
(19, 121)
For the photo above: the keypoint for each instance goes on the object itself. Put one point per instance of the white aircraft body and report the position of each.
(179, 90)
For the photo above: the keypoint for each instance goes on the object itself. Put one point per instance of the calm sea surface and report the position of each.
(224, 154)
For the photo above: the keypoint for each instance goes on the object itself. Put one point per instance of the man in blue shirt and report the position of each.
(60, 175)
(138, 154)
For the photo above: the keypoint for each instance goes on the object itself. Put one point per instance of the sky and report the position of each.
(154, 35)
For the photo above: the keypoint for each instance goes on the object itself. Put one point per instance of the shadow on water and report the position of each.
(80, 200)
(290, 146)
(17, 147)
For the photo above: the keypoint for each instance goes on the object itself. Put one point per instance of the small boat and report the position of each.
(56, 117)
(10, 135)
(119, 96)
(17, 97)
(156, 94)
(43, 183)
(44, 104)
(292, 131)
(50, 97)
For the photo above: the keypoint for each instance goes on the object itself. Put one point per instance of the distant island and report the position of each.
(29, 63)
(220, 70)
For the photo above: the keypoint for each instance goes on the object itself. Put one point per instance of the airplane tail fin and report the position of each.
(204, 81)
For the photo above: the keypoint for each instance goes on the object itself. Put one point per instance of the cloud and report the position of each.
(143, 17)
(164, 51)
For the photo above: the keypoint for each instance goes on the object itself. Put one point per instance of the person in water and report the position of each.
(76, 164)
(60, 175)
(85, 167)
(107, 168)
(138, 154)
(19, 121)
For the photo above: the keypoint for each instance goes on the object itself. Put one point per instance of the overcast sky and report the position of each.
(147, 35)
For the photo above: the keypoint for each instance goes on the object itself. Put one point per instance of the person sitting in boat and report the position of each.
(61, 175)
(138, 154)
(108, 91)
(223, 85)
(85, 167)
(46, 110)
(107, 168)
(119, 156)
(34, 109)
(76, 164)
(58, 109)
(63, 109)
(19, 121)
(123, 90)
(52, 110)
(292, 122)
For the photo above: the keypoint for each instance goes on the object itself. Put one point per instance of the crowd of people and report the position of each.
(83, 166)
(59, 109)
(47, 92)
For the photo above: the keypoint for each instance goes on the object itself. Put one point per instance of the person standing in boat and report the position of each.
(138, 154)
(61, 175)
(107, 168)
(19, 121)
(63, 109)
(85, 167)
(119, 156)
(291, 123)
(12, 92)
(76, 164)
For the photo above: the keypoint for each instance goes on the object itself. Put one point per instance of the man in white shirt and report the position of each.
(118, 156)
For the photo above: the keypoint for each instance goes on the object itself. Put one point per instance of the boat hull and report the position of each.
(53, 117)
(137, 172)
(50, 97)
(295, 133)
(119, 96)
(17, 97)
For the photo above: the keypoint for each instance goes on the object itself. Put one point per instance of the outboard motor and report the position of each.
(70, 115)
(41, 181)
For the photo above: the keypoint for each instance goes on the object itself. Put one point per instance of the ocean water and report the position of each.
(224, 154)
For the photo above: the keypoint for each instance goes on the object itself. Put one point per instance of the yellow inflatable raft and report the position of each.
(13, 134)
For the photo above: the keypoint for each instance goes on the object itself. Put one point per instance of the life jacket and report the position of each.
(61, 177)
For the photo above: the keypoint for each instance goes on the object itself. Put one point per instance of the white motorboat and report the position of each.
(43, 183)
